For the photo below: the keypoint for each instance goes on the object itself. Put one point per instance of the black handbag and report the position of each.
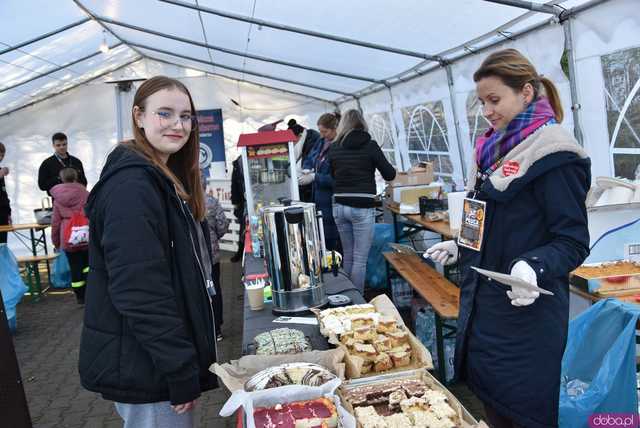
(45, 213)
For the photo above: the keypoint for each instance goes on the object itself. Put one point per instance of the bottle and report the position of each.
(255, 240)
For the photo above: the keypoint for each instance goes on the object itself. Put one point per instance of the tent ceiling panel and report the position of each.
(149, 13)
(20, 14)
(419, 25)
(239, 76)
(424, 27)
(53, 52)
(61, 80)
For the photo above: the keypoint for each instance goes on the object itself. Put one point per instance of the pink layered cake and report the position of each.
(318, 413)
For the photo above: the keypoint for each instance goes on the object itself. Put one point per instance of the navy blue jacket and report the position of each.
(148, 333)
(511, 356)
(322, 197)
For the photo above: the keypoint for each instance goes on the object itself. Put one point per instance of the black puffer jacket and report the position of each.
(148, 332)
(354, 160)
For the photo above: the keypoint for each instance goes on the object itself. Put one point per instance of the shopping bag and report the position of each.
(599, 364)
(61, 272)
(45, 213)
(426, 334)
(376, 265)
(76, 232)
(11, 285)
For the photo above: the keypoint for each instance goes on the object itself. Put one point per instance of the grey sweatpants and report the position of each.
(153, 415)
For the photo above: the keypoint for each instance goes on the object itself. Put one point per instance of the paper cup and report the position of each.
(456, 203)
(255, 294)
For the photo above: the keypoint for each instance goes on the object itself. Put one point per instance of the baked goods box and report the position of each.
(608, 277)
(236, 374)
(292, 406)
(408, 399)
(374, 339)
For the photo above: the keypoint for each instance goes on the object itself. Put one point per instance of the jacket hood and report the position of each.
(355, 139)
(119, 159)
(550, 147)
(69, 195)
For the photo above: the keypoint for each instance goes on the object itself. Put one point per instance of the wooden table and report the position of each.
(36, 241)
(438, 291)
(418, 223)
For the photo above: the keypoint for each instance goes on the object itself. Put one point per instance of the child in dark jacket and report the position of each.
(69, 198)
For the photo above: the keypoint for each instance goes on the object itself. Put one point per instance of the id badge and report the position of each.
(472, 228)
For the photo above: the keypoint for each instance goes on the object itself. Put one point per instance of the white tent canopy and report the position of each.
(407, 65)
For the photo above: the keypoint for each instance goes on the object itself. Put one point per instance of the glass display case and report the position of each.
(269, 169)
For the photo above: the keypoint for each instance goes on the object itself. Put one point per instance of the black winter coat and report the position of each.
(148, 333)
(354, 160)
(511, 356)
(48, 174)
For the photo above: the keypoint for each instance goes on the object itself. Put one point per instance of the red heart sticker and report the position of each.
(510, 168)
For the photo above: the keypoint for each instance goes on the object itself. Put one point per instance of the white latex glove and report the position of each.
(443, 252)
(520, 296)
(306, 178)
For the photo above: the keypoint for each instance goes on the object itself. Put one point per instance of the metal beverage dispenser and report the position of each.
(293, 254)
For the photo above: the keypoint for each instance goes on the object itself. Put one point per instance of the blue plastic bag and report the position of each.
(11, 285)
(426, 334)
(376, 265)
(599, 364)
(61, 272)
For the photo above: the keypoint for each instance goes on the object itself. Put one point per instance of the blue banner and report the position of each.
(211, 138)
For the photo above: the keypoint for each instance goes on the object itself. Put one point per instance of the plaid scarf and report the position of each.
(495, 144)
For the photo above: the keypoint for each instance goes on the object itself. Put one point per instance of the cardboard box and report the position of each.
(411, 194)
(464, 418)
(419, 174)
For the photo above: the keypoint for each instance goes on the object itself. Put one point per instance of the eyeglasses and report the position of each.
(167, 119)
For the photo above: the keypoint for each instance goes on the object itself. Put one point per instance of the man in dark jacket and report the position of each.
(5, 205)
(148, 333)
(48, 174)
(238, 200)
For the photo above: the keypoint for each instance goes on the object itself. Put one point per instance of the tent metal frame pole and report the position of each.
(396, 130)
(238, 70)
(418, 73)
(119, 125)
(104, 27)
(55, 69)
(84, 82)
(456, 122)
(286, 91)
(575, 99)
(291, 29)
(104, 19)
(44, 36)
(523, 4)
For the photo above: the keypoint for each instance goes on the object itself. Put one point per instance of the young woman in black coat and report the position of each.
(149, 335)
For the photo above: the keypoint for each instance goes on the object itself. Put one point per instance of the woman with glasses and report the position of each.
(149, 330)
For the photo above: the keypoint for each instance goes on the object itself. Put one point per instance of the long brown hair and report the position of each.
(515, 71)
(182, 168)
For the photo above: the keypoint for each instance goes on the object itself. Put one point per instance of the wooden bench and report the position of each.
(439, 292)
(33, 273)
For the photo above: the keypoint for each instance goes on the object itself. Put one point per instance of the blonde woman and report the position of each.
(354, 159)
(533, 178)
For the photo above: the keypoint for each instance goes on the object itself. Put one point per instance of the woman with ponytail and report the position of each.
(149, 330)
(532, 179)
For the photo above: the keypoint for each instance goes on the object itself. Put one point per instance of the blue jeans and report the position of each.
(355, 226)
(153, 415)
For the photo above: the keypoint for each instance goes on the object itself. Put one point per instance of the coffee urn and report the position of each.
(292, 249)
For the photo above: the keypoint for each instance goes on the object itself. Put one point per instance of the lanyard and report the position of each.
(481, 177)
